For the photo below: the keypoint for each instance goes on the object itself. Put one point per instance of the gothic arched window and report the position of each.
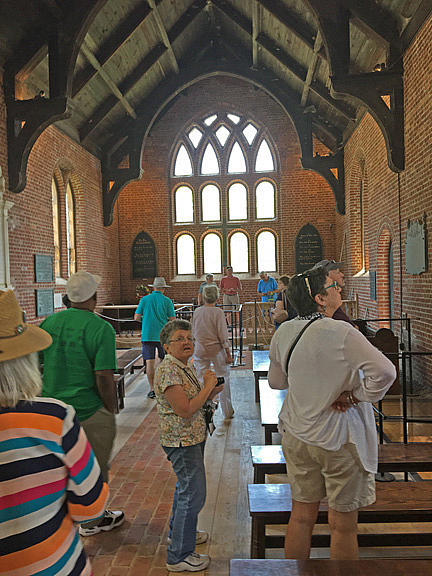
(225, 177)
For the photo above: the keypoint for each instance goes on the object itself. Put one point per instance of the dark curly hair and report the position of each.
(303, 288)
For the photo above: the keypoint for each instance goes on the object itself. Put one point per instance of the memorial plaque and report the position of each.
(416, 247)
(372, 278)
(144, 262)
(44, 302)
(308, 248)
(43, 264)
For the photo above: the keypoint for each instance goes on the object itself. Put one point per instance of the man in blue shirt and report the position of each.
(267, 287)
(154, 311)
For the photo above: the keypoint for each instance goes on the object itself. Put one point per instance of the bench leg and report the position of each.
(258, 538)
(257, 391)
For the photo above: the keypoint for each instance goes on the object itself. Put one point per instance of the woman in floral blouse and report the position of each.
(180, 398)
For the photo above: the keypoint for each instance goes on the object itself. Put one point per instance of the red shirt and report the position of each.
(230, 285)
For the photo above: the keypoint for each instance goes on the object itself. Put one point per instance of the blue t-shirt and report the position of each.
(156, 309)
(271, 284)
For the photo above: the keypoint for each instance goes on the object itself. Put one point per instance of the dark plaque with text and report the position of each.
(43, 264)
(44, 302)
(144, 262)
(308, 248)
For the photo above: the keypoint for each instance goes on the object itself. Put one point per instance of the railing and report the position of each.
(235, 327)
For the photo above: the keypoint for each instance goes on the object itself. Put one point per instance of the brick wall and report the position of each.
(30, 219)
(146, 205)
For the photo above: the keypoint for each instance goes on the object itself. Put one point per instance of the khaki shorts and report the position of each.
(314, 473)
(100, 430)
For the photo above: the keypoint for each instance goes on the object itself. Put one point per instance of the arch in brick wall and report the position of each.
(357, 202)
(382, 278)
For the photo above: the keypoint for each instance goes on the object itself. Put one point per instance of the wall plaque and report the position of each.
(43, 264)
(308, 248)
(144, 261)
(416, 247)
(44, 302)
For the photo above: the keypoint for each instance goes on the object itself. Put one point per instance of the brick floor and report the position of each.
(142, 485)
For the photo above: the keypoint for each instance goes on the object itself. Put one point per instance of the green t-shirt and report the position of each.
(82, 343)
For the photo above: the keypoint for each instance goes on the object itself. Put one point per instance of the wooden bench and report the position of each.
(260, 367)
(126, 365)
(324, 567)
(270, 405)
(398, 502)
(413, 457)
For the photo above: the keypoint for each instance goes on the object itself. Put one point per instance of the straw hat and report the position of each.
(17, 338)
(159, 282)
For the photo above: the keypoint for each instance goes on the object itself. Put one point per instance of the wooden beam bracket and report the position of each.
(369, 89)
(324, 166)
(113, 182)
(26, 120)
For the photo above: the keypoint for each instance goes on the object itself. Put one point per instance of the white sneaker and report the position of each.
(193, 563)
(111, 519)
(201, 537)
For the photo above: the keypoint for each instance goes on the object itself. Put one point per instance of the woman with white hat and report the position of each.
(49, 477)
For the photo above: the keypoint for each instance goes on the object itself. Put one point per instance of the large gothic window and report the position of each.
(224, 180)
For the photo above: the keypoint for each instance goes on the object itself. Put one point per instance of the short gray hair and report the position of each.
(20, 379)
(209, 275)
(210, 294)
(171, 326)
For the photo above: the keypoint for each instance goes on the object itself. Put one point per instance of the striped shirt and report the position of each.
(49, 479)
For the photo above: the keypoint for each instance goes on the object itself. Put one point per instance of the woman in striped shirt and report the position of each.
(49, 477)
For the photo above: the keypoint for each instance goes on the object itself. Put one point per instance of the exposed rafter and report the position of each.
(112, 44)
(141, 69)
(164, 36)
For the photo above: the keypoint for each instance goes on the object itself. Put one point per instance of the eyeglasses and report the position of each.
(335, 285)
(188, 339)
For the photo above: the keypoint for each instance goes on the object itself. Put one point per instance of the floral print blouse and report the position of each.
(174, 430)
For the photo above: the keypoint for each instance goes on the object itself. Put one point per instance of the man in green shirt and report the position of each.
(79, 370)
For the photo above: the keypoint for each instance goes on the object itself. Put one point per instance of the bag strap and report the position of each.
(285, 300)
(299, 335)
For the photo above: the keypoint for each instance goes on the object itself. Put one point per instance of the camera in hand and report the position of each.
(220, 381)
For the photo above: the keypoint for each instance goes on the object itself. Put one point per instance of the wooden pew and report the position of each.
(125, 366)
(412, 457)
(270, 405)
(399, 502)
(260, 366)
(324, 567)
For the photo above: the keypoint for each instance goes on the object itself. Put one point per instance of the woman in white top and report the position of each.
(210, 330)
(328, 429)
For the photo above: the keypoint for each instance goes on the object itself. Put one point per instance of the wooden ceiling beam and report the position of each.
(164, 36)
(311, 69)
(291, 22)
(374, 19)
(139, 71)
(256, 29)
(112, 44)
(286, 60)
(416, 21)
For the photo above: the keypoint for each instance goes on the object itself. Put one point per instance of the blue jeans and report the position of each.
(189, 498)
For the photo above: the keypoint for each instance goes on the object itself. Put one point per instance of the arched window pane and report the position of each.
(185, 254)
(234, 118)
(195, 136)
(183, 204)
(266, 249)
(264, 160)
(210, 164)
(212, 254)
(265, 200)
(70, 231)
(237, 161)
(210, 119)
(239, 252)
(183, 164)
(56, 228)
(222, 134)
(237, 201)
(210, 203)
(249, 133)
